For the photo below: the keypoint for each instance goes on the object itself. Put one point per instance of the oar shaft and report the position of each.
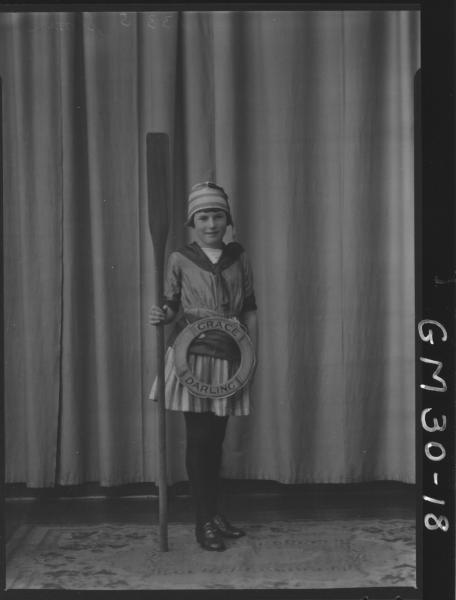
(161, 423)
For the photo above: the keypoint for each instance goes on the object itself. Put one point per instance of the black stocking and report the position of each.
(205, 435)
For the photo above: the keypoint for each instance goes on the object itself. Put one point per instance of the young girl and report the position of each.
(207, 278)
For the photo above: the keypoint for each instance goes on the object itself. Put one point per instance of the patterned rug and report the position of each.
(279, 554)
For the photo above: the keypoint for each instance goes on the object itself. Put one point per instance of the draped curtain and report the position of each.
(306, 119)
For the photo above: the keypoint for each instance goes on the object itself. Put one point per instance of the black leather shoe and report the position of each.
(226, 529)
(208, 537)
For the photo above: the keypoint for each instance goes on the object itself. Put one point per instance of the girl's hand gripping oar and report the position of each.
(158, 195)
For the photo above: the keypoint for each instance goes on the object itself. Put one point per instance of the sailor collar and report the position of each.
(230, 254)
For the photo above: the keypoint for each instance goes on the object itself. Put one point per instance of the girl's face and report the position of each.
(210, 227)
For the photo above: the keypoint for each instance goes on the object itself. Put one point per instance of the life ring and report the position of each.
(235, 383)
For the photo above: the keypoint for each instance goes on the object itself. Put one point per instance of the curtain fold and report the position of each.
(33, 247)
(306, 119)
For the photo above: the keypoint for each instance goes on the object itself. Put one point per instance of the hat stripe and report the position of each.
(206, 192)
(208, 202)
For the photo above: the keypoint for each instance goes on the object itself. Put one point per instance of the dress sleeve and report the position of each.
(249, 293)
(173, 282)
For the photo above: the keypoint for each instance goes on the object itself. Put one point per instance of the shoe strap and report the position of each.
(209, 527)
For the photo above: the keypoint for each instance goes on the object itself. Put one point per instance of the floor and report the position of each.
(254, 502)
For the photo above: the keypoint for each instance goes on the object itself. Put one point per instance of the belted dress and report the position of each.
(199, 288)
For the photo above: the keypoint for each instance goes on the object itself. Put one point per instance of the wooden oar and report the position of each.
(158, 194)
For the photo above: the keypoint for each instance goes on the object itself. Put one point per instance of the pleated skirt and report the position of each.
(210, 370)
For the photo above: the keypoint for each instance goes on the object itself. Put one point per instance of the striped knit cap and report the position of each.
(207, 196)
